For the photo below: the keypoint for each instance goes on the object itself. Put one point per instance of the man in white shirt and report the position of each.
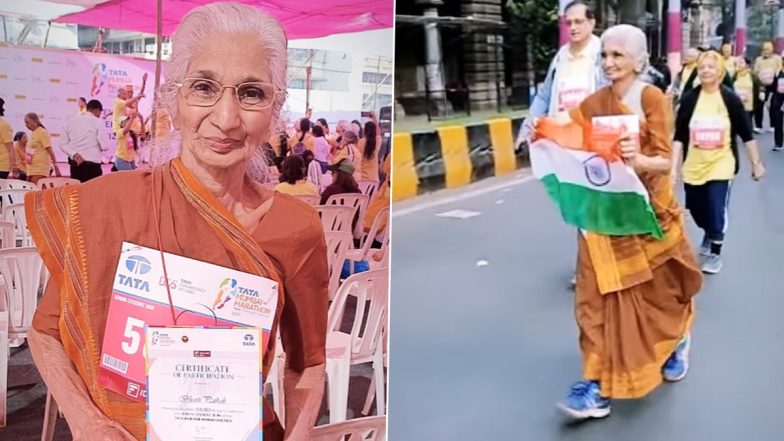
(84, 140)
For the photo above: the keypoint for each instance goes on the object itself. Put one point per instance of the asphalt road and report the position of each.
(483, 340)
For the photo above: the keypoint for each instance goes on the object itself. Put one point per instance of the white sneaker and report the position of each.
(712, 264)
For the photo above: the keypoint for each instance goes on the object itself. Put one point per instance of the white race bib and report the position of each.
(571, 92)
(708, 133)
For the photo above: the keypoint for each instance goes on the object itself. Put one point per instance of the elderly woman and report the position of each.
(709, 120)
(634, 292)
(225, 87)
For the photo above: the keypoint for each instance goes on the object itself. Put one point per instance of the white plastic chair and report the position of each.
(363, 344)
(377, 232)
(3, 367)
(13, 195)
(20, 269)
(372, 387)
(56, 182)
(338, 244)
(356, 200)
(336, 218)
(15, 213)
(9, 184)
(313, 201)
(320, 180)
(275, 380)
(7, 235)
(368, 188)
(359, 429)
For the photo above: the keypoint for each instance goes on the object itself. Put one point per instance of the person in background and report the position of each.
(303, 140)
(84, 138)
(321, 122)
(124, 155)
(342, 180)
(730, 61)
(321, 154)
(356, 127)
(123, 101)
(766, 67)
(747, 86)
(776, 113)
(22, 158)
(82, 105)
(687, 77)
(292, 179)
(709, 121)
(367, 148)
(8, 162)
(43, 155)
(340, 129)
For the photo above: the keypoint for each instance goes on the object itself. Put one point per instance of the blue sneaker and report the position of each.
(677, 365)
(585, 402)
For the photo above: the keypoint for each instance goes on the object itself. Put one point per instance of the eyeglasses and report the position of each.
(203, 92)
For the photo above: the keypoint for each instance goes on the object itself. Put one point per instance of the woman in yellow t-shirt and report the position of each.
(708, 122)
(368, 149)
(766, 67)
(124, 155)
(292, 179)
(747, 86)
(41, 145)
(22, 158)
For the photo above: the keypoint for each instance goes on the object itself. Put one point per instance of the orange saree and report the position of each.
(79, 229)
(634, 293)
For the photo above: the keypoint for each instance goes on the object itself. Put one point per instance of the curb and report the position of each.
(454, 156)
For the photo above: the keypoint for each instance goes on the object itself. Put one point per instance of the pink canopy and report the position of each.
(301, 19)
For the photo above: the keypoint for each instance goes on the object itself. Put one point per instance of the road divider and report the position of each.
(454, 156)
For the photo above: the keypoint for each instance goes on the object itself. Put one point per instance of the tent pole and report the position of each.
(158, 43)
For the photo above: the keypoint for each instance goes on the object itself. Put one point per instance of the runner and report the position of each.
(709, 120)
(766, 67)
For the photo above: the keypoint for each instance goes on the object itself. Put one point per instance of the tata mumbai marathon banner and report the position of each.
(49, 82)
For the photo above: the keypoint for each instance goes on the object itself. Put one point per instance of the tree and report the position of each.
(538, 21)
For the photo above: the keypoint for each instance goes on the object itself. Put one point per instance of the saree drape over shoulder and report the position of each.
(79, 230)
(634, 293)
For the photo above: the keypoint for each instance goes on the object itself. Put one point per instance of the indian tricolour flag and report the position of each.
(593, 194)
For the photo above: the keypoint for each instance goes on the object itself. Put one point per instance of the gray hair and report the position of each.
(197, 25)
(635, 43)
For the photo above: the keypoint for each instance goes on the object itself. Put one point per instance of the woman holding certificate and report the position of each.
(633, 298)
(225, 87)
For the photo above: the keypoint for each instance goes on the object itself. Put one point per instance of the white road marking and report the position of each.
(499, 202)
(462, 196)
(481, 263)
(459, 214)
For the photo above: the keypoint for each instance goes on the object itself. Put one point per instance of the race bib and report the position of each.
(572, 92)
(708, 133)
(780, 85)
(203, 294)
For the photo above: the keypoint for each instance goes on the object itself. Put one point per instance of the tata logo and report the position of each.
(248, 340)
(248, 292)
(138, 265)
(118, 73)
(132, 282)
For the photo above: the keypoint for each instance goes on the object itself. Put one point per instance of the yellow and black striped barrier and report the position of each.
(454, 156)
